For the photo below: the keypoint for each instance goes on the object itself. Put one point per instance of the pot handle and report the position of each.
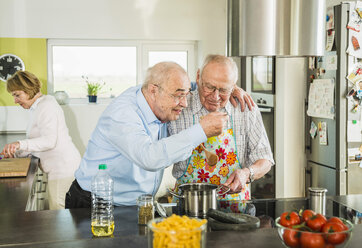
(222, 189)
(175, 194)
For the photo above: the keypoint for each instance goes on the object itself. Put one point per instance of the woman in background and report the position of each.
(47, 136)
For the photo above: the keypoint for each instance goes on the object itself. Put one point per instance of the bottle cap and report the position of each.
(145, 197)
(102, 166)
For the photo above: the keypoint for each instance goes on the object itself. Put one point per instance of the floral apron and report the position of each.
(198, 170)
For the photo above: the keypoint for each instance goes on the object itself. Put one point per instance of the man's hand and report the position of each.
(240, 177)
(243, 97)
(10, 149)
(237, 180)
(214, 123)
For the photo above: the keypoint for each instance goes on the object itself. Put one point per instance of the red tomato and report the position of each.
(289, 219)
(338, 220)
(333, 235)
(335, 219)
(307, 214)
(291, 238)
(316, 222)
(312, 240)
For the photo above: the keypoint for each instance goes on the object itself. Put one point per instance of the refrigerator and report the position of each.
(328, 165)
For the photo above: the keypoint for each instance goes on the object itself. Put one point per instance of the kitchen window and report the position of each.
(116, 64)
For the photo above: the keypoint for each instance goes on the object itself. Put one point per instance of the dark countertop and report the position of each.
(14, 191)
(71, 228)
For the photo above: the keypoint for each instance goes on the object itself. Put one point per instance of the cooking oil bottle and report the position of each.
(102, 203)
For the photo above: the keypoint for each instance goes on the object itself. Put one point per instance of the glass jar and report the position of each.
(178, 232)
(145, 209)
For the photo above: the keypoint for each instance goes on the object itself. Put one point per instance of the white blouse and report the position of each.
(48, 139)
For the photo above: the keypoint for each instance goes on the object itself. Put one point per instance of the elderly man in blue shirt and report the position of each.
(131, 137)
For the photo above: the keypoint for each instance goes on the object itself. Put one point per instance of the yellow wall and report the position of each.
(34, 54)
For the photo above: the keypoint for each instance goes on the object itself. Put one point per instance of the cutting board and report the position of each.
(14, 167)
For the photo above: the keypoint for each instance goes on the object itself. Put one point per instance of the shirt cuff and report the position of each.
(23, 145)
(197, 134)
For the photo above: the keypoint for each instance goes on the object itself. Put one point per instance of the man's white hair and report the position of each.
(161, 73)
(221, 59)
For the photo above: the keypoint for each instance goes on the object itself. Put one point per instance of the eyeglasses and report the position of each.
(176, 98)
(211, 89)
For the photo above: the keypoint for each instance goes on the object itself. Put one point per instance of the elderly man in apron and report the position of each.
(243, 149)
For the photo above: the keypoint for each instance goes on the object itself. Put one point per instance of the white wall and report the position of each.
(81, 121)
(291, 81)
(13, 119)
(201, 20)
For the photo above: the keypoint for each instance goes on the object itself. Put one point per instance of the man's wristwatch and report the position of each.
(251, 175)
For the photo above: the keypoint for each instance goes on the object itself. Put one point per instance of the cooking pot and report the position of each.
(198, 198)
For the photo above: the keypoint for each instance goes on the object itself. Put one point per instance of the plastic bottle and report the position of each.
(102, 203)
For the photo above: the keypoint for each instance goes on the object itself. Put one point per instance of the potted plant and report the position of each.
(93, 88)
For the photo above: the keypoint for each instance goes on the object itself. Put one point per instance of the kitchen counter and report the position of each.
(350, 201)
(22, 193)
(71, 228)
(14, 191)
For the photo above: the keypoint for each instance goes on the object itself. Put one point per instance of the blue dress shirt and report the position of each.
(134, 145)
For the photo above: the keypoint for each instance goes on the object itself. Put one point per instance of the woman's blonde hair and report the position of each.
(25, 81)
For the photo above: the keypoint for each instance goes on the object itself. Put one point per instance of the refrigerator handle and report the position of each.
(308, 179)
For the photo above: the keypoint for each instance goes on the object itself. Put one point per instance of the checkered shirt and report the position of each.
(251, 138)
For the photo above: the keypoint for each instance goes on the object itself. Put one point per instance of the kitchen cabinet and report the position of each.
(38, 196)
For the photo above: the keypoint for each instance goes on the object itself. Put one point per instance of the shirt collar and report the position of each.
(35, 104)
(196, 105)
(145, 108)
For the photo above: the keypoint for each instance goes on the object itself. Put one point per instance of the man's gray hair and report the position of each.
(161, 73)
(221, 59)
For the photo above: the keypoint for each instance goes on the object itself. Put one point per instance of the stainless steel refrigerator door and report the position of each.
(322, 154)
(322, 177)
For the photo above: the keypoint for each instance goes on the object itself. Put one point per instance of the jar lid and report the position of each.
(145, 197)
(317, 190)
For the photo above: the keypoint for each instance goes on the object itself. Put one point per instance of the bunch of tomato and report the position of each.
(312, 230)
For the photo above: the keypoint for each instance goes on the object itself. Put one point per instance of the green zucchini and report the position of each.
(234, 218)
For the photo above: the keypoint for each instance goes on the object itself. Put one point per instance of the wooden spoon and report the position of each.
(211, 158)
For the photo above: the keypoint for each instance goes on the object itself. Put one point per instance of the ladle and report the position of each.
(211, 158)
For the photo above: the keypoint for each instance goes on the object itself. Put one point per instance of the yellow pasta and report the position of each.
(177, 232)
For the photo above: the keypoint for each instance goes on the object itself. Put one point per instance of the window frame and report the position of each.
(142, 50)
